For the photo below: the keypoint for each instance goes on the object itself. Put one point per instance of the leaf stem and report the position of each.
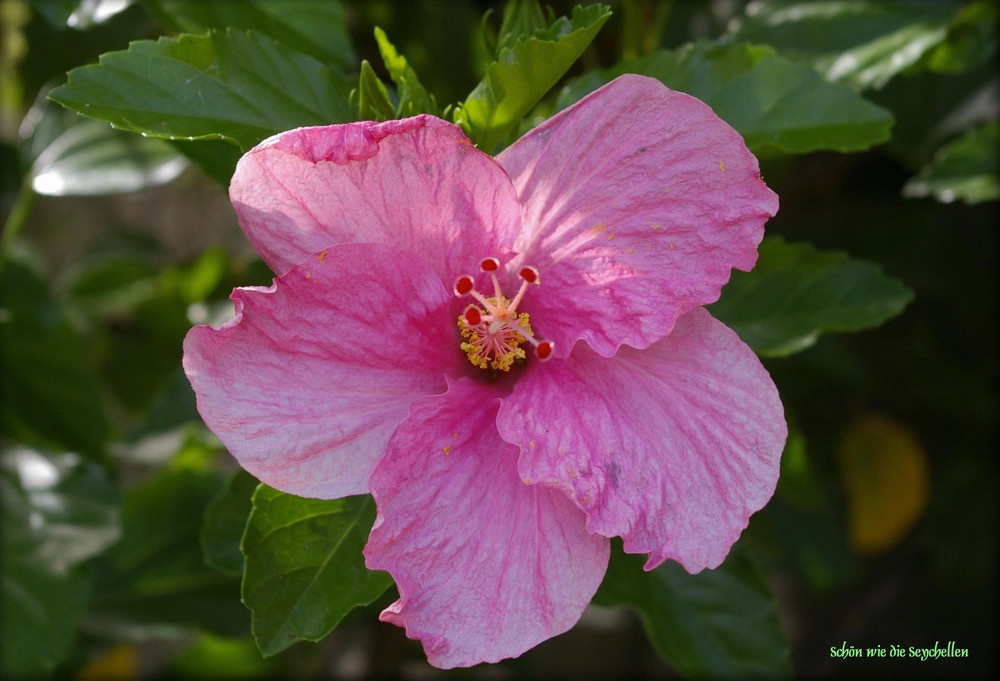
(17, 217)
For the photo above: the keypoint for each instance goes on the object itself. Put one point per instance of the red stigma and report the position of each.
(472, 316)
(544, 350)
(463, 286)
(489, 265)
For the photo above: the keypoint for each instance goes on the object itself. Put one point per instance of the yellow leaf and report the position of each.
(885, 475)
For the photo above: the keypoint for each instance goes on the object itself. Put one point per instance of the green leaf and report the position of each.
(171, 410)
(318, 29)
(224, 523)
(373, 100)
(964, 169)
(233, 85)
(523, 73)
(413, 97)
(304, 567)
(216, 158)
(856, 42)
(160, 516)
(153, 581)
(774, 103)
(58, 511)
(797, 292)
(720, 623)
(143, 347)
(51, 392)
(39, 612)
(521, 18)
(143, 314)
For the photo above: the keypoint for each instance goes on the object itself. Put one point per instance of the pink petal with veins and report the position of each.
(418, 183)
(487, 567)
(307, 382)
(672, 447)
(637, 202)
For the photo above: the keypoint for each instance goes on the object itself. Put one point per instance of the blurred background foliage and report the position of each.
(122, 515)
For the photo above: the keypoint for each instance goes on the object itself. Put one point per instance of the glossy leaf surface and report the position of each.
(304, 567)
(232, 85)
(796, 292)
(776, 104)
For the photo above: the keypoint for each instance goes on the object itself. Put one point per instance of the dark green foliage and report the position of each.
(125, 524)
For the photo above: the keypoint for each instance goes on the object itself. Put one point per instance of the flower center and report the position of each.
(494, 330)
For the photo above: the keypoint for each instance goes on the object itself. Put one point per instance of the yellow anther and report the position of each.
(496, 344)
(493, 328)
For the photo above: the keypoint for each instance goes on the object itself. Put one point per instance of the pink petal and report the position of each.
(307, 382)
(637, 202)
(486, 566)
(417, 183)
(672, 447)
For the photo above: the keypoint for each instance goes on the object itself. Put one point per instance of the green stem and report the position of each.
(18, 216)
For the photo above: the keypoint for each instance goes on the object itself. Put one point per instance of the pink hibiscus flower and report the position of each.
(510, 354)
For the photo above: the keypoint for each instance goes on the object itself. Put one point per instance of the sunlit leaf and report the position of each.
(304, 567)
(70, 507)
(856, 42)
(776, 104)
(79, 14)
(215, 657)
(372, 99)
(886, 480)
(797, 292)
(720, 623)
(94, 159)
(318, 29)
(972, 38)
(523, 73)
(966, 169)
(413, 97)
(197, 281)
(233, 85)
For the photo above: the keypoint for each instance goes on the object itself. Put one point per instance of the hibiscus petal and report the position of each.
(486, 566)
(307, 382)
(418, 183)
(637, 202)
(672, 447)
